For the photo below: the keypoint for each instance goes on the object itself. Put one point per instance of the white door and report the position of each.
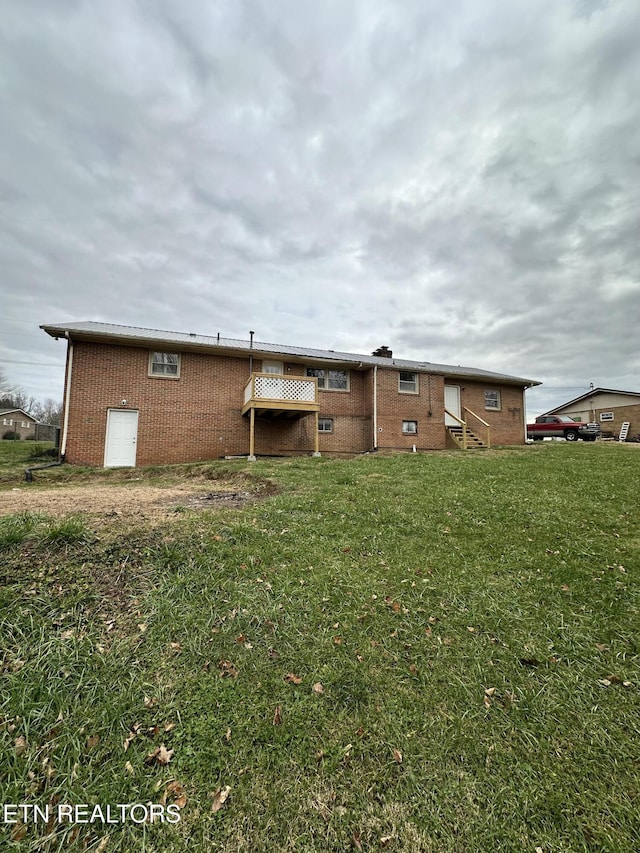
(452, 403)
(120, 441)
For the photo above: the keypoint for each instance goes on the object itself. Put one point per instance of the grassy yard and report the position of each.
(412, 653)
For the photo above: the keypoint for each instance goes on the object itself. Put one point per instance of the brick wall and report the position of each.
(426, 408)
(507, 424)
(620, 415)
(193, 418)
(198, 415)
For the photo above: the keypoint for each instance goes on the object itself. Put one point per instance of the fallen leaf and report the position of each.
(318, 687)
(161, 755)
(293, 679)
(384, 841)
(356, 841)
(397, 756)
(241, 638)
(129, 768)
(93, 741)
(337, 641)
(20, 745)
(490, 691)
(227, 669)
(169, 727)
(142, 627)
(177, 647)
(413, 669)
(219, 798)
(149, 702)
(175, 792)
(277, 716)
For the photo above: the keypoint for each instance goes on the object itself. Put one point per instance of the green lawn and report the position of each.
(410, 653)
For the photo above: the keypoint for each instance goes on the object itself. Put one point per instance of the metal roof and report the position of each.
(135, 335)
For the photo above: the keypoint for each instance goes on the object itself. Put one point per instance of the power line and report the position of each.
(36, 363)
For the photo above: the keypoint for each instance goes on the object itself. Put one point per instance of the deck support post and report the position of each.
(252, 435)
(316, 443)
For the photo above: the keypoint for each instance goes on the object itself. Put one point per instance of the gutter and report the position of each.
(375, 407)
(67, 396)
(28, 476)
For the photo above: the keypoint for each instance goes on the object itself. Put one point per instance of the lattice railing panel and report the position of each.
(294, 389)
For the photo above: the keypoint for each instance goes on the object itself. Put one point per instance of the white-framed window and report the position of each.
(164, 364)
(325, 424)
(7, 422)
(24, 424)
(272, 367)
(492, 400)
(606, 416)
(407, 382)
(331, 380)
(409, 427)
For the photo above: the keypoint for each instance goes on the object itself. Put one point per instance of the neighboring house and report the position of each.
(17, 421)
(140, 397)
(607, 407)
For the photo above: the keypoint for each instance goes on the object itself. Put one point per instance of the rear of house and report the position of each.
(140, 397)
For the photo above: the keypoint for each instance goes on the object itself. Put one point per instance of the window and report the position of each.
(272, 367)
(606, 416)
(7, 422)
(492, 400)
(408, 383)
(24, 424)
(330, 380)
(325, 424)
(164, 364)
(409, 427)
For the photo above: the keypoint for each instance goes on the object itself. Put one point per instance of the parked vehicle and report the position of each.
(562, 426)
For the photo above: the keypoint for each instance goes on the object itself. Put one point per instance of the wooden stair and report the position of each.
(473, 442)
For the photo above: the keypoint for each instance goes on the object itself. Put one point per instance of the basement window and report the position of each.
(325, 424)
(409, 427)
(408, 383)
(165, 365)
(330, 380)
(492, 400)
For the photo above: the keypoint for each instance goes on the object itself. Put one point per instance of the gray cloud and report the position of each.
(457, 181)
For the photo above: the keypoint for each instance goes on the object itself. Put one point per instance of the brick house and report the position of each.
(607, 407)
(141, 396)
(17, 421)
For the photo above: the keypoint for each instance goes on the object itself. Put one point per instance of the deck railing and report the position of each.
(291, 392)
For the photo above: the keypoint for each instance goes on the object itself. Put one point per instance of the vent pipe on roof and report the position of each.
(251, 334)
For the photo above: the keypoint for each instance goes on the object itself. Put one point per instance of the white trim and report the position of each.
(67, 397)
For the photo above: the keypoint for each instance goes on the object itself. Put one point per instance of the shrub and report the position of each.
(10, 435)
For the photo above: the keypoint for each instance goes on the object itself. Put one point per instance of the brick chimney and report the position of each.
(383, 352)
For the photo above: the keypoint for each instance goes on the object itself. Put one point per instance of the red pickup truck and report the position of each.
(562, 426)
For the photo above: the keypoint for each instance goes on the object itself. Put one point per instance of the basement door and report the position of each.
(452, 402)
(120, 441)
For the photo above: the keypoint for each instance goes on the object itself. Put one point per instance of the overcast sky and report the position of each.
(457, 180)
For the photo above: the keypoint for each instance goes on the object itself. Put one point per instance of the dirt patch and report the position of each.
(135, 502)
